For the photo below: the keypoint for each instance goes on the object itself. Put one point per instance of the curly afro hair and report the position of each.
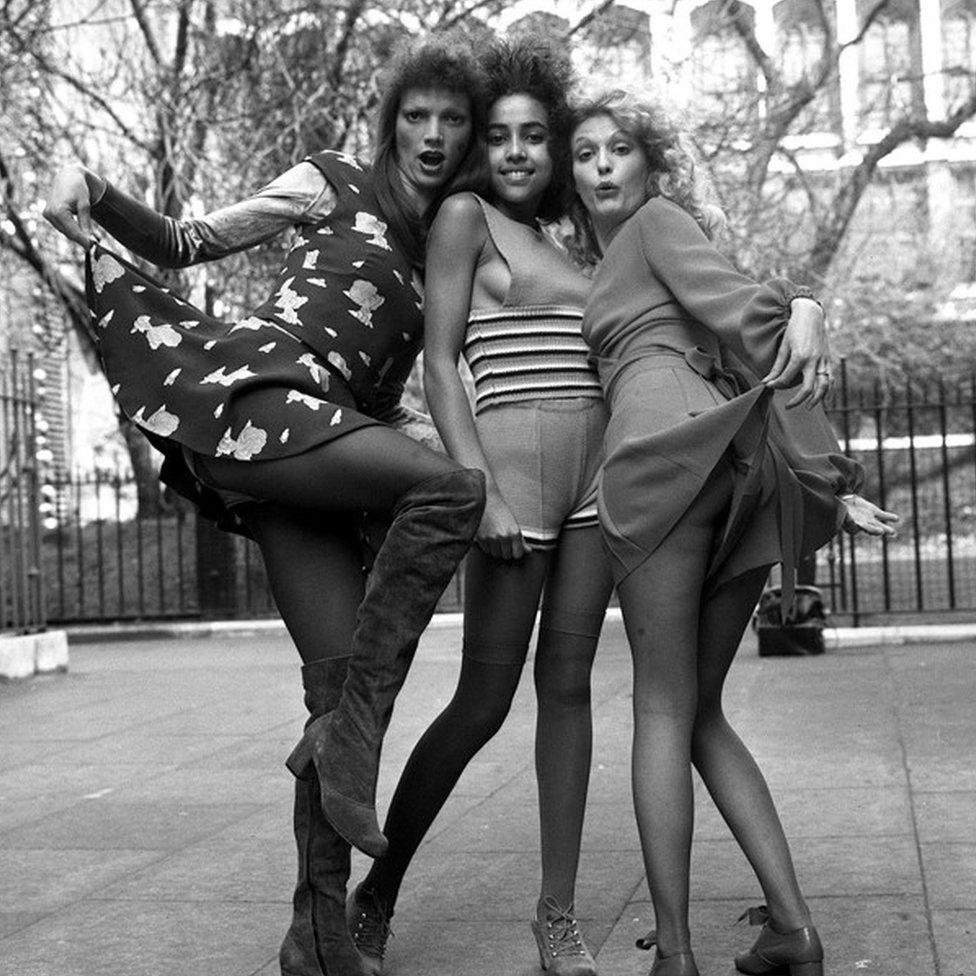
(530, 65)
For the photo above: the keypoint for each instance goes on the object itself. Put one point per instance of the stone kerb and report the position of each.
(24, 655)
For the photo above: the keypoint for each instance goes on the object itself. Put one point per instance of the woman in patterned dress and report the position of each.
(272, 425)
(500, 291)
(706, 484)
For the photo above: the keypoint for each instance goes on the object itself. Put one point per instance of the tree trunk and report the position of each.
(149, 494)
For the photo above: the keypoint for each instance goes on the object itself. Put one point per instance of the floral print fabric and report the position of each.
(338, 335)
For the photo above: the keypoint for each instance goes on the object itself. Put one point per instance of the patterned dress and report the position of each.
(665, 310)
(328, 350)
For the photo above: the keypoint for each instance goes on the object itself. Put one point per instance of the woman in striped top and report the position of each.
(500, 291)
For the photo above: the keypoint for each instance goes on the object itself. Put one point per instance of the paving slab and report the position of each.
(145, 813)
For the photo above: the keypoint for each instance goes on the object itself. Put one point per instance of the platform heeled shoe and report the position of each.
(680, 964)
(795, 953)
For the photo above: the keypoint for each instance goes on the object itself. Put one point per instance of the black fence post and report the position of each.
(216, 566)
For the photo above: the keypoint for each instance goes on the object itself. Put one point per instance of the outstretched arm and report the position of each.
(79, 196)
(455, 246)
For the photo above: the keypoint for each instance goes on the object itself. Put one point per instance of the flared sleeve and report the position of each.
(809, 441)
(300, 195)
(748, 316)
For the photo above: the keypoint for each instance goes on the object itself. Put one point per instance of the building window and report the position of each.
(725, 76)
(801, 42)
(964, 212)
(958, 49)
(890, 65)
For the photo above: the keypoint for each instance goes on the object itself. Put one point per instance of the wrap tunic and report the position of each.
(679, 336)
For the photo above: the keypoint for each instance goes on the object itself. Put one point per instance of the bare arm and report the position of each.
(454, 247)
(300, 195)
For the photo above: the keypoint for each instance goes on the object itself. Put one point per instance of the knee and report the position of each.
(465, 489)
(710, 726)
(562, 687)
(663, 703)
(479, 721)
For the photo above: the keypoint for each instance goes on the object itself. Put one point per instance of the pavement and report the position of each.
(145, 814)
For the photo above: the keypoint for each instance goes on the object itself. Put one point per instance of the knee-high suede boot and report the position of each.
(432, 528)
(318, 942)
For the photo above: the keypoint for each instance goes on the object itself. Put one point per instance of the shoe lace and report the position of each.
(562, 930)
(372, 925)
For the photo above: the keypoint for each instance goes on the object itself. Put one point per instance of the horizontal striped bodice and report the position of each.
(531, 347)
(528, 353)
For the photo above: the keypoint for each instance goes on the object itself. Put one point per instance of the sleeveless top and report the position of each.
(531, 347)
(348, 291)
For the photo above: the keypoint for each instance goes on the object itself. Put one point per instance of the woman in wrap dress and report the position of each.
(707, 483)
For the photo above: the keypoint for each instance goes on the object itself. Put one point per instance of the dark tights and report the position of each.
(501, 599)
(307, 524)
(683, 645)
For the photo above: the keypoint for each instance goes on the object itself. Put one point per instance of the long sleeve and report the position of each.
(808, 440)
(300, 195)
(748, 316)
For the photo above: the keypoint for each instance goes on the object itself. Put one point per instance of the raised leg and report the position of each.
(436, 510)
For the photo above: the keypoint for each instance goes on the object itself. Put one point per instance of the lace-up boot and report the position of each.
(369, 927)
(562, 951)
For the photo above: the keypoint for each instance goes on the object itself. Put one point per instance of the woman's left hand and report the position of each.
(865, 516)
(804, 355)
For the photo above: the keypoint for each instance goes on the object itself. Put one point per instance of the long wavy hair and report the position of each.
(441, 61)
(671, 167)
(529, 65)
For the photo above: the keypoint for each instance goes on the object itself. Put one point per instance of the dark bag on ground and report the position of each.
(802, 631)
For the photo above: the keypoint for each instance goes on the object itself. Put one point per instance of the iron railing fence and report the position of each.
(106, 561)
(916, 443)
(103, 561)
(22, 606)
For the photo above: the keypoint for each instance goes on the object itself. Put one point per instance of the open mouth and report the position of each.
(431, 158)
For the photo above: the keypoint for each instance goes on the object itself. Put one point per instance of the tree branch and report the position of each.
(832, 232)
(736, 15)
(588, 19)
(139, 12)
(353, 13)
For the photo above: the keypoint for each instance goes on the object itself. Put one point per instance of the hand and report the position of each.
(499, 534)
(865, 516)
(804, 355)
(69, 204)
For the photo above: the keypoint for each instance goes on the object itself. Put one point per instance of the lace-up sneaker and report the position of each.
(369, 926)
(562, 951)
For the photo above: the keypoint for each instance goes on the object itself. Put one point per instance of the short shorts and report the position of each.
(546, 456)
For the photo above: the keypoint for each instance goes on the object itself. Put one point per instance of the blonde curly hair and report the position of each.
(671, 166)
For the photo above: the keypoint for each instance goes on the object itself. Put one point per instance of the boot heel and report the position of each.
(299, 761)
(807, 969)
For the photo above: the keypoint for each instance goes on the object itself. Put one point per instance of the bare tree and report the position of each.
(182, 101)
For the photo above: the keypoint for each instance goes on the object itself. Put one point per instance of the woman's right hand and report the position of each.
(804, 355)
(499, 535)
(860, 515)
(69, 202)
